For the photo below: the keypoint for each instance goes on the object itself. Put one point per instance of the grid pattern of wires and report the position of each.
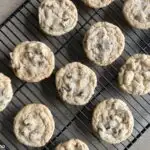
(71, 121)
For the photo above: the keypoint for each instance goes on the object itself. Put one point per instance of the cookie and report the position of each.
(103, 43)
(32, 61)
(73, 144)
(134, 76)
(113, 121)
(76, 83)
(34, 125)
(137, 13)
(6, 91)
(57, 17)
(97, 3)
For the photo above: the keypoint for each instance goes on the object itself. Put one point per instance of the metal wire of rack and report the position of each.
(71, 121)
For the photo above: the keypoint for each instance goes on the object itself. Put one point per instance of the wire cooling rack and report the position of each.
(71, 121)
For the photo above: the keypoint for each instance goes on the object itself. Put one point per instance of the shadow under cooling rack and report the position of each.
(71, 121)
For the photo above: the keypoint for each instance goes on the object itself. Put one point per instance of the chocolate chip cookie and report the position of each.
(76, 83)
(34, 125)
(32, 61)
(103, 43)
(113, 121)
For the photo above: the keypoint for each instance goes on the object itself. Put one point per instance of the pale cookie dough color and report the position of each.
(97, 3)
(6, 91)
(137, 13)
(57, 17)
(32, 61)
(34, 125)
(134, 76)
(73, 144)
(113, 121)
(103, 43)
(76, 83)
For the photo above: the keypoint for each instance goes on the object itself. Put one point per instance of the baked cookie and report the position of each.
(103, 43)
(73, 144)
(137, 13)
(6, 91)
(134, 76)
(76, 83)
(113, 121)
(57, 17)
(34, 125)
(97, 3)
(32, 61)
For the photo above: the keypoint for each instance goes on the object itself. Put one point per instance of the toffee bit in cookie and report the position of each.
(107, 126)
(69, 76)
(67, 88)
(80, 93)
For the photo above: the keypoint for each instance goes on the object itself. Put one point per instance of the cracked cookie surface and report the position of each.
(34, 125)
(32, 61)
(103, 43)
(134, 76)
(57, 17)
(113, 121)
(97, 3)
(76, 83)
(6, 91)
(73, 144)
(137, 13)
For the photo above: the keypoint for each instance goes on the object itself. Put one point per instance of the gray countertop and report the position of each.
(143, 142)
(7, 7)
